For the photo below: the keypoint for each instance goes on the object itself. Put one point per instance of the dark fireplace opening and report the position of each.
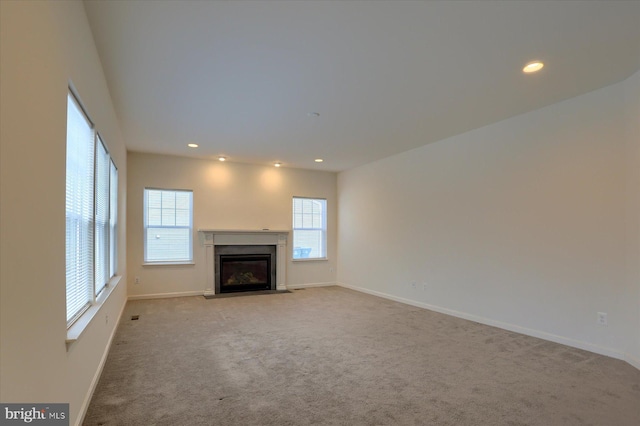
(245, 268)
(245, 273)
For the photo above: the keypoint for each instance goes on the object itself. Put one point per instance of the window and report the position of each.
(113, 220)
(90, 208)
(309, 228)
(168, 222)
(102, 231)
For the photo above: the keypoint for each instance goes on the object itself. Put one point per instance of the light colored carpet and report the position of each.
(332, 356)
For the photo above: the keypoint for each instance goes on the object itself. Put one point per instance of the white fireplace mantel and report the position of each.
(211, 238)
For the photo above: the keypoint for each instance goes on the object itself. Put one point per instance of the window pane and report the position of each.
(113, 220)
(168, 244)
(168, 200)
(182, 217)
(101, 217)
(154, 198)
(308, 244)
(79, 211)
(168, 217)
(154, 217)
(183, 200)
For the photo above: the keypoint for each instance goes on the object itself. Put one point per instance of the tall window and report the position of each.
(309, 228)
(102, 233)
(113, 219)
(168, 223)
(91, 204)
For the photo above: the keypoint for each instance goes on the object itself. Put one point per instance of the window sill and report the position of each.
(312, 259)
(75, 331)
(167, 263)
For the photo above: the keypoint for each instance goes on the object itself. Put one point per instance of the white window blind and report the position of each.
(168, 221)
(79, 211)
(309, 228)
(102, 231)
(113, 220)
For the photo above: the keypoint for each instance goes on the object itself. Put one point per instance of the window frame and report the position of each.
(146, 226)
(322, 229)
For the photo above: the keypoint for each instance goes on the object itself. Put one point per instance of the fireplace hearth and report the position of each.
(245, 268)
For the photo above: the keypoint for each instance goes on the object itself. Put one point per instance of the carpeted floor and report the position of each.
(332, 356)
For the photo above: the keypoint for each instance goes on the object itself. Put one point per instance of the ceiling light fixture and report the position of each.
(278, 164)
(533, 66)
(192, 145)
(318, 160)
(221, 158)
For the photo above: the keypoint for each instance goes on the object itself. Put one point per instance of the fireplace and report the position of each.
(216, 242)
(245, 268)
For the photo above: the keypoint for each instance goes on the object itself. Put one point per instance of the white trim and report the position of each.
(505, 326)
(309, 285)
(310, 259)
(165, 295)
(82, 323)
(187, 263)
(632, 360)
(96, 377)
(243, 231)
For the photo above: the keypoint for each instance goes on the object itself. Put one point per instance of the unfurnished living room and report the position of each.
(320, 212)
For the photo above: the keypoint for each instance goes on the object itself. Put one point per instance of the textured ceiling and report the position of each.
(240, 77)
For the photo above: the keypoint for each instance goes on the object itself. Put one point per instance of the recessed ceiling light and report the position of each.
(313, 114)
(533, 67)
(318, 160)
(192, 145)
(221, 158)
(278, 164)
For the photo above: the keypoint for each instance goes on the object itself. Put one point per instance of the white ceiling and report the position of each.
(239, 77)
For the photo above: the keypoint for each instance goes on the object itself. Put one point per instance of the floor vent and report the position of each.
(135, 317)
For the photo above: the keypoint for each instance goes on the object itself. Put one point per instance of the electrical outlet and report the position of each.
(106, 319)
(424, 286)
(413, 284)
(137, 280)
(602, 318)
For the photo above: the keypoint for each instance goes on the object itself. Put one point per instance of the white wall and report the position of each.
(520, 224)
(225, 196)
(43, 46)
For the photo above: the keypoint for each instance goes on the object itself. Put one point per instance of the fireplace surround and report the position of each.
(214, 240)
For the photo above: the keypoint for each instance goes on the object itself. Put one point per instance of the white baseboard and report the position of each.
(98, 373)
(165, 295)
(505, 326)
(308, 285)
(632, 360)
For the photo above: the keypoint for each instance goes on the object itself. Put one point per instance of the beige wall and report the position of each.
(225, 196)
(521, 224)
(43, 46)
(632, 94)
